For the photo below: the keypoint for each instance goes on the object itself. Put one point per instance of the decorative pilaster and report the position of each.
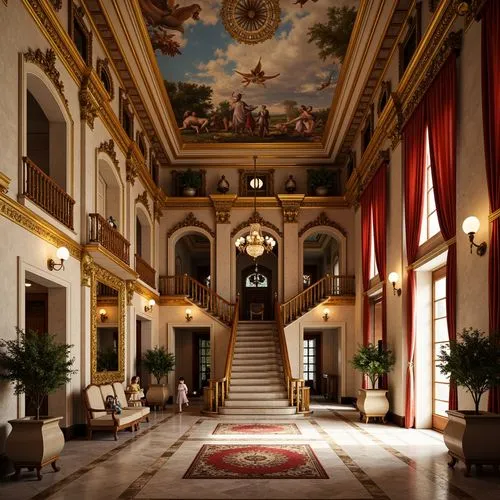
(222, 204)
(130, 287)
(290, 204)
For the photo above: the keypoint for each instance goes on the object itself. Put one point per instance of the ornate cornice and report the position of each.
(190, 221)
(322, 220)
(143, 198)
(47, 63)
(38, 226)
(290, 204)
(222, 204)
(108, 147)
(4, 183)
(256, 218)
(89, 104)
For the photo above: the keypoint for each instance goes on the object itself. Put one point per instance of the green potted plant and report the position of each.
(374, 362)
(472, 361)
(37, 365)
(190, 181)
(159, 363)
(321, 180)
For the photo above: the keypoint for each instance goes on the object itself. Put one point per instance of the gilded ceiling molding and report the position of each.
(87, 269)
(143, 198)
(38, 226)
(47, 63)
(4, 183)
(256, 218)
(89, 105)
(223, 203)
(322, 220)
(290, 204)
(190, 221)
(108, 147)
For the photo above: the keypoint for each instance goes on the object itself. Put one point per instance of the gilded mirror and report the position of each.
(108, 327)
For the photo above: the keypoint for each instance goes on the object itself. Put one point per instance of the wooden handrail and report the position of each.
(232, 343)
(198, 293)
(146, 272)
(110, 238)
(46, 193)
(329, 285)
(287, 371)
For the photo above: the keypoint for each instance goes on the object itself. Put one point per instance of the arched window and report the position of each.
(256, 280)
(105, 76)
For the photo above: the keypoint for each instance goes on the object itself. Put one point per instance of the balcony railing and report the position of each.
(146, 272)
(42, 190)
(101, 232)
(329, 286)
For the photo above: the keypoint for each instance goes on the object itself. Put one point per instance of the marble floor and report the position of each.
(363, 461)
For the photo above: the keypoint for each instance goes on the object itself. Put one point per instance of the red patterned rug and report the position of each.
(256, 429)
(217, 461)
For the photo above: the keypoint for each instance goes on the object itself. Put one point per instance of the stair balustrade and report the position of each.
(328, 286)
(199, 294)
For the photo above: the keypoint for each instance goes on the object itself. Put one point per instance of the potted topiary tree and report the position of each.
(374, 362)
(473, 362)
(190, 181)
(321, 180)
(37, 365)
(159, 363)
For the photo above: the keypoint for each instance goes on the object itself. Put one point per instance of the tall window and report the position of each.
(138, 237)
(430, 223)
(440, 383)
(373, 262)
(310, 353)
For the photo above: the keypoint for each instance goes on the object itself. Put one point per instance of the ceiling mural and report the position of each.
(246, 71)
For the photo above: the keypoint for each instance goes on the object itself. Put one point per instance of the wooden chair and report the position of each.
(256, 310)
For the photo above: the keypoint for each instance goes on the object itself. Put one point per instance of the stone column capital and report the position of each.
(290, 204)
(222, 204)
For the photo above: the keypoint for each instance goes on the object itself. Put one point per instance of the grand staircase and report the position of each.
(257, 385)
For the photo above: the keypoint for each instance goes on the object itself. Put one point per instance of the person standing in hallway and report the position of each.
(182, 391)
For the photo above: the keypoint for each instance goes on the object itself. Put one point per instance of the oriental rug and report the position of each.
(254, 429)
(216, 461)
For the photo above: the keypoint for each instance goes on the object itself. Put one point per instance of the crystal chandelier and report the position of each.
(254, 244)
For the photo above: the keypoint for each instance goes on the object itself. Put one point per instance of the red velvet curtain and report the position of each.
(440, 102)
(414, 177)
(490, 50)
(365, 263)
(379, 190)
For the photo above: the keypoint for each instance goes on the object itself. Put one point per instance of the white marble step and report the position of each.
(236, 370)
(262, 373)
(253, 333)
(272, 360)
(255, 387)
(251, 403)
(256, 356)
(255, 396)
(258, 412)
(252, 380)
(255, 348)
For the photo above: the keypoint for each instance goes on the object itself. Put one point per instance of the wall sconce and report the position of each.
(471, 227)
(149, 307)
(394, 278)
(62, 254)
(189, 314)
(326, 314)
(103, 314)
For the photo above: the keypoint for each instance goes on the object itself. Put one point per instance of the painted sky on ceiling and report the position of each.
(210, 56)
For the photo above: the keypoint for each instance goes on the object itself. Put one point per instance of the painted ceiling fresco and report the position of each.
(250, 70)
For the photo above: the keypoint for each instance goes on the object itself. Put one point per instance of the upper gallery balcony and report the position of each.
(46, 193)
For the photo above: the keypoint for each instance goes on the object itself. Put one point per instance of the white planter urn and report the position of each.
(34, 443)
(473, 439)
(157, 395)
(372, 403)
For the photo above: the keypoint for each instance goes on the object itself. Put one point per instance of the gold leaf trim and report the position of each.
(190, 221)
(322, 220)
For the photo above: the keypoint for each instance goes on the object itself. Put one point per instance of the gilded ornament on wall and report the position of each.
(251, 21)
(190, 221)
(322, 220)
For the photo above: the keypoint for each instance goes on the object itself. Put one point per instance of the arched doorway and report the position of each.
(192, 257)
(321, 256)
(259, 289)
